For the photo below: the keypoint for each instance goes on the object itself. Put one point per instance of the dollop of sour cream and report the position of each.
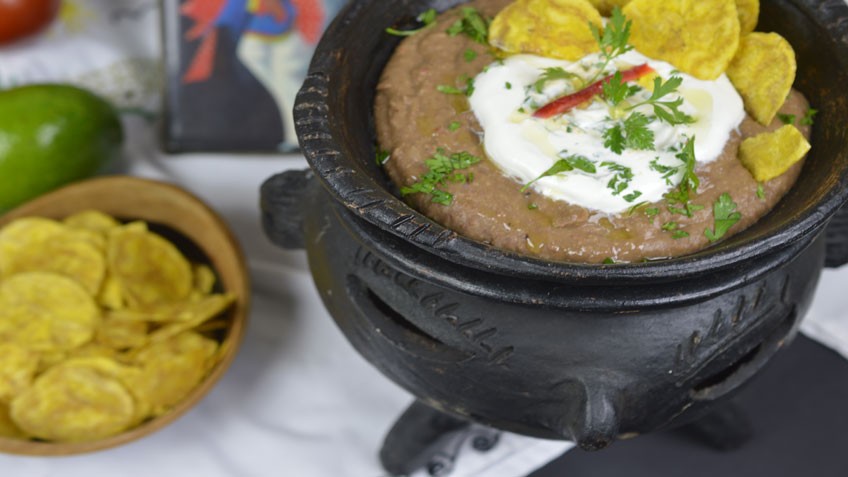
(506, 94)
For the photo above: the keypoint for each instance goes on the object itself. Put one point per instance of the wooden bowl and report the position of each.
(170, 206)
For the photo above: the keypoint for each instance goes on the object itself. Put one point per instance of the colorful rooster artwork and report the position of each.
(272, 39)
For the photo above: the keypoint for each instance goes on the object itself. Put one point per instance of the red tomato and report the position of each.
(19, 18)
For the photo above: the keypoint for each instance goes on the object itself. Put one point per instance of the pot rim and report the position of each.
(348, 181)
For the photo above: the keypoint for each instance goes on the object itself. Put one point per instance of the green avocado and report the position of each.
(51, 135)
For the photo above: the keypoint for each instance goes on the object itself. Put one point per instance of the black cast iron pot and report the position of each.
(555, 350)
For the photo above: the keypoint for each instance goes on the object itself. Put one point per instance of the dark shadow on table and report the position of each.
(798, 408)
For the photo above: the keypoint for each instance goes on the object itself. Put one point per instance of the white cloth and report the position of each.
(298, 400)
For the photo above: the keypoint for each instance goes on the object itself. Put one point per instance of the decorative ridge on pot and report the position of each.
(341, 160)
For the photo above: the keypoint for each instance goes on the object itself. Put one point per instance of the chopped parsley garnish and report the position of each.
(532, 206)
(608, 261)
(666, 111)
(632, 133)
(761, 191)
(726, 216)
(448, 89)
(469, 55)
(382, 156)
(633, 196)
(565, 164)
(616, 90)
(786, 118)
(454, 125)
(508, 85)
(428, 18)
(666, 171)
(676, 231)
(471, 24)
(442, 168)
(553, 74)
(652, 212)
(621, 178)
(807, 120)
(614, 41)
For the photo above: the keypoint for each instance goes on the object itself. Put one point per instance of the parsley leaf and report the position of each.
(442, 168)
(428, 18)
(552, 74)
(471, 24)
(613, 42)
(726, 216)
(807, 120)
(632, 133)
(667, 111)
(786, 118)
(632, 196)
(382, 156)
(470, 55)
(761, 191)
(454, 125)
(616, 90)
(621, 177)
(467, 91)
(566, 164)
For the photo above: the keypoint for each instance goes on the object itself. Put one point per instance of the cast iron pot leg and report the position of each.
(725, 428)
(426, 438)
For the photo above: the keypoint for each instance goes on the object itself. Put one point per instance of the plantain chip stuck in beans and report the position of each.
(149, 269)
(749, 14)
(553, 28)
(763, 72)
(770, 154)
(99, 327)
(699, 37)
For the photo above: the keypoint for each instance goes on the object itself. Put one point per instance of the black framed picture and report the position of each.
(233, 69)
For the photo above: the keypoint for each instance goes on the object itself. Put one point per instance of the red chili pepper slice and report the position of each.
(569, 102)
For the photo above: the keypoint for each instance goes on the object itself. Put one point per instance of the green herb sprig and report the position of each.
(428, 18)
(472, 24)
(442, 168)
(726, 216)
(565, 164)
(614, 41)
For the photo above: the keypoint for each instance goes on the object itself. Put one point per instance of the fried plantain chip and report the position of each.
(116, 333)
(149, 269)
(8, 428)
(17, 368)
(553, 28)
(204, 279)
(92, 220)
(172, 368)
(763, 72)
(699, 37)
(770, 154)
(46, 312)
(749, 14)
(186, 316)
(70, 255)
(21, 233)
(74, 401)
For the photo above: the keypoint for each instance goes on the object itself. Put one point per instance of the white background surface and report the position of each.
(298, 401)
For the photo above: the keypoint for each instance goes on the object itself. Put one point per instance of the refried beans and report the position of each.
(414, 119)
